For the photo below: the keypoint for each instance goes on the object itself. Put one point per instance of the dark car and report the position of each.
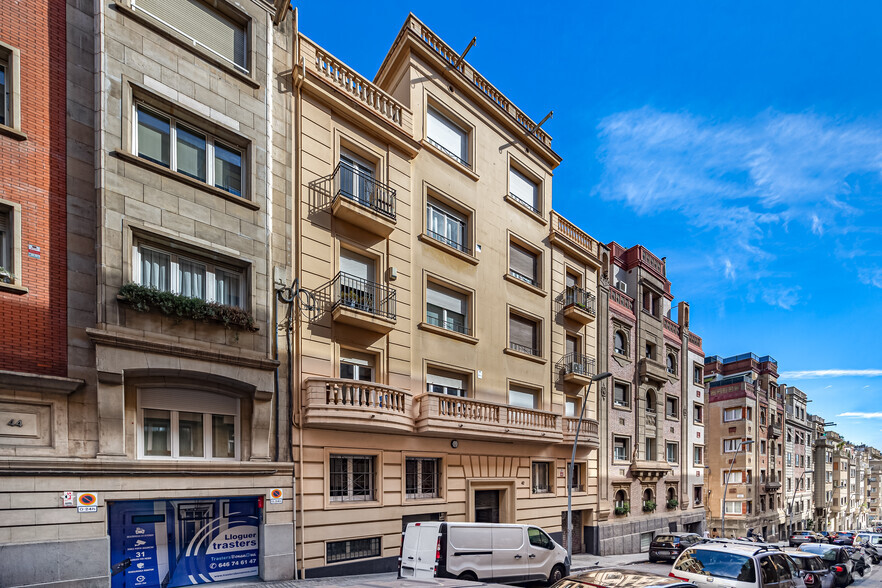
(836, 558)
(813, 571)
(619, 577)
(827, 536)
(843, 538)
(670, 546)
(800, 537)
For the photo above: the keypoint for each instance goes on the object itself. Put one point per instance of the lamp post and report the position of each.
(596, 378)
(726, 486)
(793, 499)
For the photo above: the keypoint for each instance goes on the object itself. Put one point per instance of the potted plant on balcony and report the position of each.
(672, 503)
(649, 506)
(6, 276)
(624, 509)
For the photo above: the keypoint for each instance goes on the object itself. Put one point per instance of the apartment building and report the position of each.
(440, 371)
(823, 475)
(798, 460)
(841, 460)
(745, 426)
(874, 505)
(158, 448)
(650, 416)
(860, 506)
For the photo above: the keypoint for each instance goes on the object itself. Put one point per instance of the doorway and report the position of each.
(487, 506)
(578, 546)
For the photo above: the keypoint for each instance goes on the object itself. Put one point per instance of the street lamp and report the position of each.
(792, 499)
(726, 486)
(596, 378)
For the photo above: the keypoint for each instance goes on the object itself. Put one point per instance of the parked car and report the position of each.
(865, 538)
(800, 537)
(827, 536)
(481, 551)
(737, 565)
(843, 538)
(834, 556)
(669, 546)
(619, 577)
(814, 572)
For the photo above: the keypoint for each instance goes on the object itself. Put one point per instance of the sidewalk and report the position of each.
(584, 561)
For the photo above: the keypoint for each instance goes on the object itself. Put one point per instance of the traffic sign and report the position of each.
(275, 496)
(87, 502)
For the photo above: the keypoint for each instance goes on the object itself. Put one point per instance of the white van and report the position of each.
(481, 551)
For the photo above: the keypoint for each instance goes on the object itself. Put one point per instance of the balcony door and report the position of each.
(356, 177)
(355, 365)
(357, 287)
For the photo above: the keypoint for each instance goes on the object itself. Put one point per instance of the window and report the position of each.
(619, 343)
(731, 445)
(523, 264)
(571, 406)
(671, 364)
(762, 447)
(649, 444)
(578, 477)
(522, 397)
(539, 539)
(672, 453)
(698, 455)
(650, 350)
(337, 551)
(421, 477)
(523, 334)
(10, 112)
(732, 414)
(697, 413)
(541, 477)
(352, 478)
(192, 276)
(523, 189)
(444, 382)
(733, 507)
(620, 498)
(446, 308)
(697, 493)
(357, 179)
(671, 407)
(8, 266)
(698, 374)
(762, 416)
(447, 226)
(178, 146)
(650, 401)
(648, 496)
(187, 424)
(621, 394)
(5, 94)
(206, 27)
(447, 136)
(355, 365)
(734, 477)
(621, 448)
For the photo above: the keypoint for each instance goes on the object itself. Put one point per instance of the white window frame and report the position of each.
(516, 176)
(11, 59)
(730, 507)
(448, 390)
(676, 404)
(668, 446)
(434, 207)
(174, 421)
(627, 448)
(350, 475)
(728, 412)
(421, 492)
(447, 318)
(12, 245)
(731, 445)
(627, 402)
(463, 158)
(175, 273)
(210, 141)
(698, 451)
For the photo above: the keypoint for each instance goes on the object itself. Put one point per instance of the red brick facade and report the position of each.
(33, 175)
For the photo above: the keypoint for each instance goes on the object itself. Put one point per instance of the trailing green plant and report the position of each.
(672, 503)
(6, 276)
(648, 505)
(146, 299)
(624, 509)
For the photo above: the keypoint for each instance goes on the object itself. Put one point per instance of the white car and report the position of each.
(732, 564)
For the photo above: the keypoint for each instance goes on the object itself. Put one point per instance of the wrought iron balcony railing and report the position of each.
(363, 188)
(576, 363)
(353, 292)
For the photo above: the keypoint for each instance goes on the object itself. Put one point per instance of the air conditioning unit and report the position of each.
(577, 368)
(622, 286)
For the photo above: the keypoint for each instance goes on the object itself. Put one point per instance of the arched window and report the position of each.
(619, 343)
(672, 364)
(650, 401)
(672, 494)
(647, 496)
(621, 499)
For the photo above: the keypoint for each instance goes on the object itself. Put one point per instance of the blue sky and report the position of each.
(741, 140)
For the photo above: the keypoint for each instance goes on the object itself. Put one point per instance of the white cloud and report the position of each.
(810, 374)
(861, 415)
(749, 181)
(785, 297)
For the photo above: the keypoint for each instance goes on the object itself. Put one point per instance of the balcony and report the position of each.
(577, 305)
(775, 431)
(355, 405)
(650, 471)
(589, 434)
(574, 240)
(654, 371)
(358, 198)
(361, 303)
(454, 416)
(576, 368)
(771, 485)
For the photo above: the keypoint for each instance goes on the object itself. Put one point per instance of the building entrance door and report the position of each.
(578, 547)
(487, 506)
